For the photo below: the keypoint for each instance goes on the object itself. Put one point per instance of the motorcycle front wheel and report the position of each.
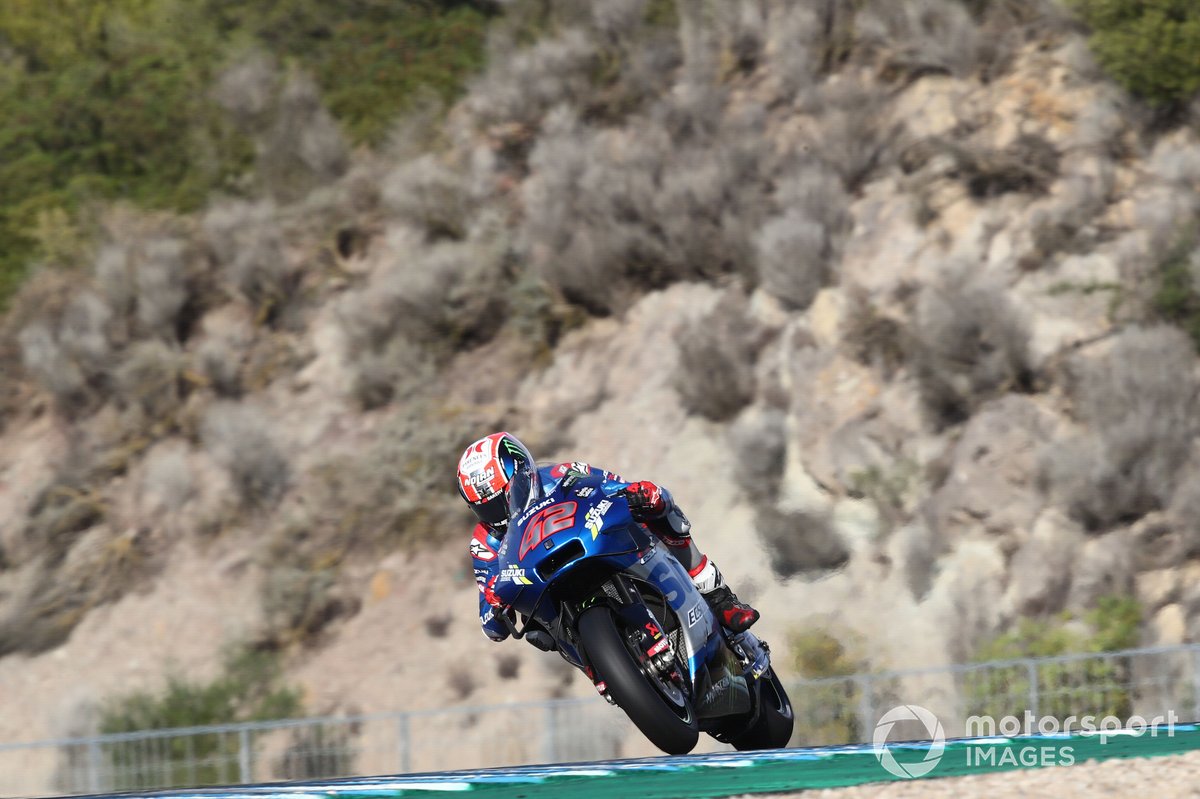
(656, 706)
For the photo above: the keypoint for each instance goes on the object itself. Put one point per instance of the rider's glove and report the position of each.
(645, 500)
(489, 593)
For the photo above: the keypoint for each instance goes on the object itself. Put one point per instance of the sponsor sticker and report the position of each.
(695, 614)
(480, 551)
(595, 517)
(515, 575)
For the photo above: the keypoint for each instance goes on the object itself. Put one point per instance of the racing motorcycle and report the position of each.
(576, 566)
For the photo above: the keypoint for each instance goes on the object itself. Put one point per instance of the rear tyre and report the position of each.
(670, 725)
(773, 728)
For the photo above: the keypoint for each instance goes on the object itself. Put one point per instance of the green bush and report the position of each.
(110, 99)
(1176, 299)
(1093, 686)
(249, 689)
(1152, 47)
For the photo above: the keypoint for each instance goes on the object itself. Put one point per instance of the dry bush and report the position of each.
(717, 352)
(167, 482)
(799, 543)
(507, 667)
(430, 195)
(1138, 405)
(1064, 225)
(759, 442)
(392, 492)
(793, 46)
(247, 89)
(399, 371)
(239, 438)
(969, 345)
(1029, 164)
(441, 298)
(246, 240)
(303, 147)
(149, 378)
(70, 355)
(299, 603)
(873, 338)
(852, 132)
(161, 285)
(798, 250)
(522, 84)
(668, 197)
(918, 37)
(99, 567)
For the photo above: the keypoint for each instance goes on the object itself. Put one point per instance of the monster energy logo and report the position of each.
(513, 449)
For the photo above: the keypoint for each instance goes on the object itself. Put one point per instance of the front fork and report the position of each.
(643, 632)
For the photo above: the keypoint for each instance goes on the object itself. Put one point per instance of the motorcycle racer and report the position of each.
(497, 465)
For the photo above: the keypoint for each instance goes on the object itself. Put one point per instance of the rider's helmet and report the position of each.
(495, 475)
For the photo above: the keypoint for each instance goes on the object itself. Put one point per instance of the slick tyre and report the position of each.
(773, 727)
(674, 730)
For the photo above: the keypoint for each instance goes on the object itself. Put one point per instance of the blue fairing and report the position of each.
(579, 524)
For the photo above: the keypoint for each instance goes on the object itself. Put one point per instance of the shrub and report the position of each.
(430, 195)
(1177, 300)
(70, 356)
(238, 437)
(1137, 403)
(827, 712)
(161, 289)
(389, 493)
(852, 133)
(1098, 687)
(759, 443)
(717, 352)
(676, 194)
(1148, 47)
(299, 603)
(442, 298)
(970, 344)
(250, 688)
(149, 378)
(797, 251)
(247, 241)
(304, 147)
(919, 37)
(799, 543)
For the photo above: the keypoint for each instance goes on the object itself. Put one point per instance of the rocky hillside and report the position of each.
(899, 298)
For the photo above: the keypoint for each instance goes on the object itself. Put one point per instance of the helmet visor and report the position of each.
(524, 489)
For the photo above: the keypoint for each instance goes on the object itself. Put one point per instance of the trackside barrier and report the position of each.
(1146, 682)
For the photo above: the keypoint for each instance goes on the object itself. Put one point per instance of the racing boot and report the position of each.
(734, 615)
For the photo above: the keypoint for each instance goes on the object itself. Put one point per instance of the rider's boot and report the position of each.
(674, 530)
(734, 615)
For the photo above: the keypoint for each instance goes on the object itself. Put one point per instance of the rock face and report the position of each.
(851, 315)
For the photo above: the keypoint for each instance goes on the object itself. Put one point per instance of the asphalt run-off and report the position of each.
(726, 773)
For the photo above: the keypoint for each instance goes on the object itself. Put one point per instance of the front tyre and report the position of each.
(673, 729)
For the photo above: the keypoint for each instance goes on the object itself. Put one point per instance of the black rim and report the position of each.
(669, 690)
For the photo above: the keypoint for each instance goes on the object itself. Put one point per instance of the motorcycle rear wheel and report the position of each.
(671, 726)
(773, 727)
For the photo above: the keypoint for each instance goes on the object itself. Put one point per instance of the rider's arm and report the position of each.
(486, 565)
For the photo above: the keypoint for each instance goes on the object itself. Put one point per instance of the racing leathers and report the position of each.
(649, 504)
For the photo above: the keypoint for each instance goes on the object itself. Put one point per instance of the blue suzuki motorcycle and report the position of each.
(619, 606)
